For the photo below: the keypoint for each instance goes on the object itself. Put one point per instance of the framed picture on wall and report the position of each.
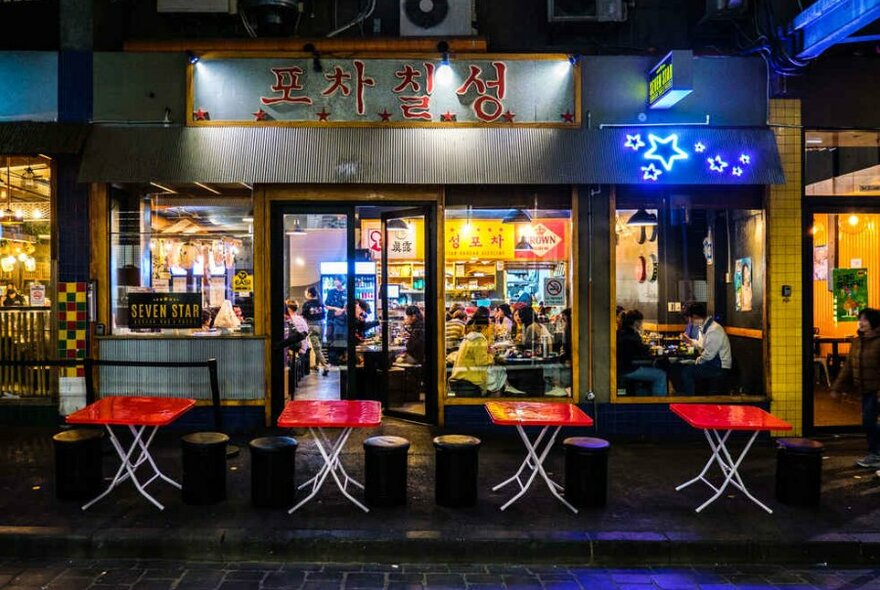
(820, 263)
(742, 283)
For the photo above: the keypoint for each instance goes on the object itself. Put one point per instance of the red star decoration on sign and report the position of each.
(385, 115)
(261, 115)
(567, 116)
(448, 117)
(323, 115)
(508, 116)
(201, 115)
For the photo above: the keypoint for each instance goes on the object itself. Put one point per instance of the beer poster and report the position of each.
(850, 293)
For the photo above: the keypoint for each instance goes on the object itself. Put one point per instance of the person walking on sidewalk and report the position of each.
(861, 373)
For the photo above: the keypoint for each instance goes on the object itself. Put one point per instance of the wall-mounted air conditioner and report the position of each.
(226, 6)
(586, 10)
(433, 18)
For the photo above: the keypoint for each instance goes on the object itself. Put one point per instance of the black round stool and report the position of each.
(273, 471)
(79, 471)
(799, 471)
(457, 463)
(586, 470)
(385, 470)
(204, 467)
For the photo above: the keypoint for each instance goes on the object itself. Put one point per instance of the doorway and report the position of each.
(358, 281)
(842, 277)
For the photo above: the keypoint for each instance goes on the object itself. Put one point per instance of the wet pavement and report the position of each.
(174, 575)
(645, 520)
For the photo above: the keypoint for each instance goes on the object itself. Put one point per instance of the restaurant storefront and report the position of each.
(500, 195)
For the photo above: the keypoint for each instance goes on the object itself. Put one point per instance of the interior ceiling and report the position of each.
(826, 139)
(187, 209)
(14, 171)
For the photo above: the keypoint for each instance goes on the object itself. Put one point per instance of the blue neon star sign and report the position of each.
(699, 147)
(745, 159)
(651, 172)
(716, 164)
(736, 171)
(634, 141)
(665, 161)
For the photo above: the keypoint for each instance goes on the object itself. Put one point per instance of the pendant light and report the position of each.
(297, 228)
(8, 217)
(642, 218)
(28, 177)
(517, 216)
(396, 224)
(523, 245)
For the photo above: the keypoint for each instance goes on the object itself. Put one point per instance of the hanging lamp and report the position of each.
(642, 218)
(8, 217)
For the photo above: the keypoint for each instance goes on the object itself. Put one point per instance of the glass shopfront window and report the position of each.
(690, 296)
(508, 279)
(182, 260)
(27, 289)
(842, 163)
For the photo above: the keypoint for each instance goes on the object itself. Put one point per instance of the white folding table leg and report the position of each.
(128, 466)
(527, 462)
(732, 475)
(331, 463)
(536, 463)
(337, 465)
(713, 458)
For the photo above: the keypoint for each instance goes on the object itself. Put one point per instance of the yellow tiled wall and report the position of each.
(785, 321)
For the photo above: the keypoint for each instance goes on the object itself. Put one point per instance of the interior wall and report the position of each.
(865, 246)
(307, 252)
(747, 237)
(632, 294)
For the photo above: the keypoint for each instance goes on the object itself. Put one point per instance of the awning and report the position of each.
(431, 156)
(42, 138)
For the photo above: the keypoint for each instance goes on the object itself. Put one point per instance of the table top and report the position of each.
(132, 411)
(537, 414)
(728, 417)
(331, 414)
(833, 339)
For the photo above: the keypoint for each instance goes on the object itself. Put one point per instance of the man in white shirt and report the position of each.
(713, 346)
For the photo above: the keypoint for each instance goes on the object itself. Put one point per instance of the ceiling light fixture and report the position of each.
(164, 188)
(297, 229)
(8, 217)
(396, 224)
(28, 177)
(642, 218)
(207, 188)
(517, 216)
(523, 245)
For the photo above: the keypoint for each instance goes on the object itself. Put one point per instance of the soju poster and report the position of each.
(850, 293)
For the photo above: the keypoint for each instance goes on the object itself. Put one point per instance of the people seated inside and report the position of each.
(12, 297)
(361, 325)
(502, 322)
(534, 337)
(475, 372)
(455, 326)
(634, 360)
(414, 325)
(691, 330)
(712, 345)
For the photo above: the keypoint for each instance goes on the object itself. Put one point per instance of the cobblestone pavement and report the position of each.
(172, 575)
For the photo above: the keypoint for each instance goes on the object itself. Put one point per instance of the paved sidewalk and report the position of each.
(182, 575)
(646, 520)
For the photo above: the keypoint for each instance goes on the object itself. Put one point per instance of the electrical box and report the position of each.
(586, 10)
(436, 18)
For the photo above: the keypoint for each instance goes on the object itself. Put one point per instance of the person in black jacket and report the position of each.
(314, 314)
(415, 337)
(634, 356)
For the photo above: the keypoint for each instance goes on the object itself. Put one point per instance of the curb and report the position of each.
(426, 546)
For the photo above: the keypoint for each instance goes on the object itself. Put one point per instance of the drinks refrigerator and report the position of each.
(364, 281)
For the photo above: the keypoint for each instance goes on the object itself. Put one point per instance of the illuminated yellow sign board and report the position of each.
(670, 80)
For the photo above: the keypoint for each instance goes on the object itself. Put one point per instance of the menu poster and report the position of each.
(742, 283)
(164, 310)
(850, 293)
(820, 263)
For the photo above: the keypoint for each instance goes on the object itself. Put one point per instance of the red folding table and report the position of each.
(139, 414)
(548, 415)
(320, 414)
(718, 421)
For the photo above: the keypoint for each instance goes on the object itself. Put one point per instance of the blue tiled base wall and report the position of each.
(622, 421)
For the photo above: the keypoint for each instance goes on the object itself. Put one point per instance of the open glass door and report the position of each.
(408, 312)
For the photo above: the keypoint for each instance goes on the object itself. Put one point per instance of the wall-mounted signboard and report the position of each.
(671, 80)
(469, 90)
